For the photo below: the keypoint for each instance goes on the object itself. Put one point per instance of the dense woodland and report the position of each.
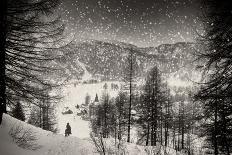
(28, 37)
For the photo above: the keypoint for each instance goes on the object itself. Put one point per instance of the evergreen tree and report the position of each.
(18, 113)
(215, 93)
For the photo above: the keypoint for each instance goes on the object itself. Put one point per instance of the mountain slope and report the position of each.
(107, 60)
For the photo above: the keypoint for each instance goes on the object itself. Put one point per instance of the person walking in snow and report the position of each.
(68, 130)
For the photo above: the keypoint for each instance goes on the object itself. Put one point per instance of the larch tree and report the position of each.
(150, 107)
(129, 78)
(215, 93)
(28, 38)
(121, 113)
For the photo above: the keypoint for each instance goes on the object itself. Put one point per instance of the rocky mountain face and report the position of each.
(108, 60)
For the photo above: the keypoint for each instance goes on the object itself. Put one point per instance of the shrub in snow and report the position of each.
(107, 146)
(24, 138)
(98, 143)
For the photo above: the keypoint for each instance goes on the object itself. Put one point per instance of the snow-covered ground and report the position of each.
(57, 144)
(50, 143)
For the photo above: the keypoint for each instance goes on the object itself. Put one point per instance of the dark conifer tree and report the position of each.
(215, 93)
(18, 112)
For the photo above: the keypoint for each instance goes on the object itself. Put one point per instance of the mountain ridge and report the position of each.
(106, 60)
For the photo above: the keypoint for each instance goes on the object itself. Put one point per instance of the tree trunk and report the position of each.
(148, 133)
(215, 130)
(161, 126)
(179, 131)
(130, 101)
(225, 130)
(40, 116)
(3, 32)
(48, 124)
(44, 116)
(174, 135)
(166, 124)
(182, 130)
(152, 125)
(155, 97)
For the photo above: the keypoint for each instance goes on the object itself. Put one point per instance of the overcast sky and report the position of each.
(140, 22)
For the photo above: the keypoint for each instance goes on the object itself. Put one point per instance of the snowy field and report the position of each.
(74, 95)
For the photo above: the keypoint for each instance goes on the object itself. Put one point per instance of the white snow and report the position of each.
(51, 144)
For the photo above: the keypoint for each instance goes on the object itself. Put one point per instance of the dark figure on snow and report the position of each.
(68, 130)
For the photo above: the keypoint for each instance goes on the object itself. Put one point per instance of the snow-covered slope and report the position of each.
(56, 144)
(50, 143)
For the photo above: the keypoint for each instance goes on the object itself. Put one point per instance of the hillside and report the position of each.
(49, 143)
(107, 60)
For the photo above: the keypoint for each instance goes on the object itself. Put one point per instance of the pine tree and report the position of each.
(18, 113)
